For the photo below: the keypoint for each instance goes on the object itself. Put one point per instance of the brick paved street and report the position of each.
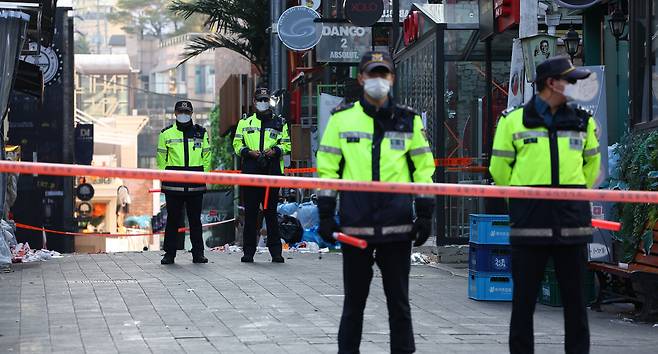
(129, 303)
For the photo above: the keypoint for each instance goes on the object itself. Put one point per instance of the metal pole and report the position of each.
(395, 23)
(527, 28)
(488, 114)
(439, 133)
(275, 53)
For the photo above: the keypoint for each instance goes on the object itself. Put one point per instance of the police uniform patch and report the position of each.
(397, 144)
(576, 143)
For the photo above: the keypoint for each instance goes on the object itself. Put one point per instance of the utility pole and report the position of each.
(528, 27)
(275, 46)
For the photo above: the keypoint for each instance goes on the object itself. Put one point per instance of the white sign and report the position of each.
(343, 43)
(515, 89)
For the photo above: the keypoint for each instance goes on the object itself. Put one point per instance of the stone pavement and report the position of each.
(129, 303)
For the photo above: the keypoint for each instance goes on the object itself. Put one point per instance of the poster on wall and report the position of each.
(515, 89)
(536, 49)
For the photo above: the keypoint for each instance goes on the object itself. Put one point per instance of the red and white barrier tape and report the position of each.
(461, 190)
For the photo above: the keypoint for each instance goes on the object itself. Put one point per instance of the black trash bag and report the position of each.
(290, 229)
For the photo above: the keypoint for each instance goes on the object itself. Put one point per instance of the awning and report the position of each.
(103, 64)
(13, 25)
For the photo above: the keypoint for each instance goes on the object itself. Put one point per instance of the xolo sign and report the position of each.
(364, 13)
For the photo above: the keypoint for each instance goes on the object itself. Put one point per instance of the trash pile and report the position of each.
(13, 252)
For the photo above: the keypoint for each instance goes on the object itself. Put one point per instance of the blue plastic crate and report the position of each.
(489, 229)
(490, 286)
(490, 258)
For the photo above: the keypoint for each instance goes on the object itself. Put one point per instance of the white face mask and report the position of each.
(377, 88)
(262, 106)
(183, 118)
(571, 92)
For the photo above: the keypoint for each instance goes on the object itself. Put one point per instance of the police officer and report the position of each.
(183, 146)
(261, 140)
(376, 139)
(548, 143)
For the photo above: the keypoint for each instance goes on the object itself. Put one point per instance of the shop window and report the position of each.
(200, 79)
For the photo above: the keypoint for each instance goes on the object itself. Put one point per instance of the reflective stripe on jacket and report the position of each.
(361, 144)
(567, 155)
(183, 150)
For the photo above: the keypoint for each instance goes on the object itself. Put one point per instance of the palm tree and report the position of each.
(239, 25)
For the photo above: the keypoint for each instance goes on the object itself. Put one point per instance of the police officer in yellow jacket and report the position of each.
(183, 146)
(261, 140)
(548, 143)
(375, 139)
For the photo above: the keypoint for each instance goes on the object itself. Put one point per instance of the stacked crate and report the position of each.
(490, 258)
(549, 291)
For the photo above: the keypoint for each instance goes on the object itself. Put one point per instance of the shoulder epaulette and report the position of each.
(199, 128)
(507, 111)
(165, 128)
(583, 112)
(407, 109)
(342, 107)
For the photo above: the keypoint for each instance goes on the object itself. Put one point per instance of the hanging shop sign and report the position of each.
(298, 30)
(364, 13)
(412, 26)
(343, 43)
(576, 4)
(536, 49)
(507, 14)
(84, 144)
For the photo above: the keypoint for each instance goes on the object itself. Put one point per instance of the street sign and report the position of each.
(364, 13)
(343, 43)
(297, 28)
(576, 4)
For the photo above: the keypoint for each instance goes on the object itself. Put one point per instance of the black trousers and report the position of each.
(192, 204)
(528, 264)
(394, 262)
(253, 197)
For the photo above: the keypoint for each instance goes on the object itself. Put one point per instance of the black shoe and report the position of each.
(247, 259)
(278, 259)
(168, 259)
(199, 259)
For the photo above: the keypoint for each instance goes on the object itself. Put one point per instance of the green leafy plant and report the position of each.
(221, 146)
(238, 25)
(637, 170)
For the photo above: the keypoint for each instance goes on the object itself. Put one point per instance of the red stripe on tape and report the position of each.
(461, 190)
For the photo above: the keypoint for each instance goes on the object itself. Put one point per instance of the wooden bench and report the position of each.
(637, 284)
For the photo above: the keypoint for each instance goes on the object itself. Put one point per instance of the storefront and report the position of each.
(643, 37)
(442, 72)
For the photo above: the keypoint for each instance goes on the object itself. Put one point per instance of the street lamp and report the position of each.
(571, 42)
(617, 23)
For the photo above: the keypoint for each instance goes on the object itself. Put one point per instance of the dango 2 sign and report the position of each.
(343, 43)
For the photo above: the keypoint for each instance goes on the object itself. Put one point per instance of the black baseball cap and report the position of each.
(560, 67)
(262, 92)
(371, 60)
(183, 106)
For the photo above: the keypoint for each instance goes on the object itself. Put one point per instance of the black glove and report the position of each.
(262, 161)
(423, 223)
(326, 210)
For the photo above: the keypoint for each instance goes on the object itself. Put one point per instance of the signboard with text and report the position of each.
(343, 43)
